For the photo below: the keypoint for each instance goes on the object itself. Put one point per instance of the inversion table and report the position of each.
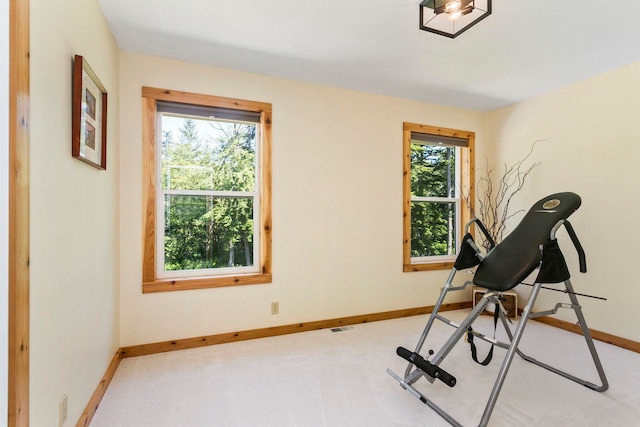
(531, 245)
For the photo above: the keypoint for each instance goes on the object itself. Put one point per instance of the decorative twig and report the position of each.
(494, 202)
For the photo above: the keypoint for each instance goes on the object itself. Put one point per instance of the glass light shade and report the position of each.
(450, 18)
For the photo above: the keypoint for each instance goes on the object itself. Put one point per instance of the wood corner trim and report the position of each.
(97, 396)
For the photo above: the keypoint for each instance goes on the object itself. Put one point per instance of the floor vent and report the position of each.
(342, 329)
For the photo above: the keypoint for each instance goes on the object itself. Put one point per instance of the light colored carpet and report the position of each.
(325, 378)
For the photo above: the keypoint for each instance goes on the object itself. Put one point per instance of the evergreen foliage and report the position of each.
(432, 223)
(204, 230)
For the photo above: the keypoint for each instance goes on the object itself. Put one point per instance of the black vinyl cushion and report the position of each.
(512, 260)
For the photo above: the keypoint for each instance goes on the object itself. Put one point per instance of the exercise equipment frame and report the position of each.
(539, 227)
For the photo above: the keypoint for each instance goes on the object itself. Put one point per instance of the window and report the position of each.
(207, 191)
(438, 171)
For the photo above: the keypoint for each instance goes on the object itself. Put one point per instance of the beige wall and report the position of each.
(337, 205)
(337, 202)
(74, 215)
(592, 148)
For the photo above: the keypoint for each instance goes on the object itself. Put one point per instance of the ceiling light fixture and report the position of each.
(452, 5)
(450, 18)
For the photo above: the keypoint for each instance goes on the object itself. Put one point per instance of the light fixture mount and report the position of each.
(450, 18)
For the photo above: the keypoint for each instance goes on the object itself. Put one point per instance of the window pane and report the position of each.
(201, 154)
(433, 229)
(433, 171)
(207, 232)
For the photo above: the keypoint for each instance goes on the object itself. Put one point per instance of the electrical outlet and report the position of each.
(275, 307)
(63, 410)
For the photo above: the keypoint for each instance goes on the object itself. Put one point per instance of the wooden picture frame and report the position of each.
(89, 116)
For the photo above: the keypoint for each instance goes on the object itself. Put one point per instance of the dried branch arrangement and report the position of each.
(494, 196)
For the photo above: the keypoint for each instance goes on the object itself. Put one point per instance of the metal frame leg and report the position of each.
(575, 306)
(588, 338)
(436, 308)
(506, 364)
(412, 373)
(434, 315)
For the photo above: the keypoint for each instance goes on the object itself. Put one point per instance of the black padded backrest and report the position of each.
(512, 260)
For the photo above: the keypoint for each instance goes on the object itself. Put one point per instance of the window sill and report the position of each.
(428, 266)
(168, 285)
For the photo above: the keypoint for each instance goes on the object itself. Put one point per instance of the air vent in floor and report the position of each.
(341, 329)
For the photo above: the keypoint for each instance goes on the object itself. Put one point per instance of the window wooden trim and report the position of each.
(150, 281)
(467, 167)
(18, 228)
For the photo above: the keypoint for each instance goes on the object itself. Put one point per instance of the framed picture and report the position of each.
(89, 116)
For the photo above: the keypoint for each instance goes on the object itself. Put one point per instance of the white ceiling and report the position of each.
(525, 48)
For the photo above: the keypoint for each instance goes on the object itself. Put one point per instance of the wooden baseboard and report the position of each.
(182, 344)
(95, 400)
(596, 335)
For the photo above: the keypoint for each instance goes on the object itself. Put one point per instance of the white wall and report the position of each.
(337, 205)
(592, 149)
(74, 215)
(4, 203)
